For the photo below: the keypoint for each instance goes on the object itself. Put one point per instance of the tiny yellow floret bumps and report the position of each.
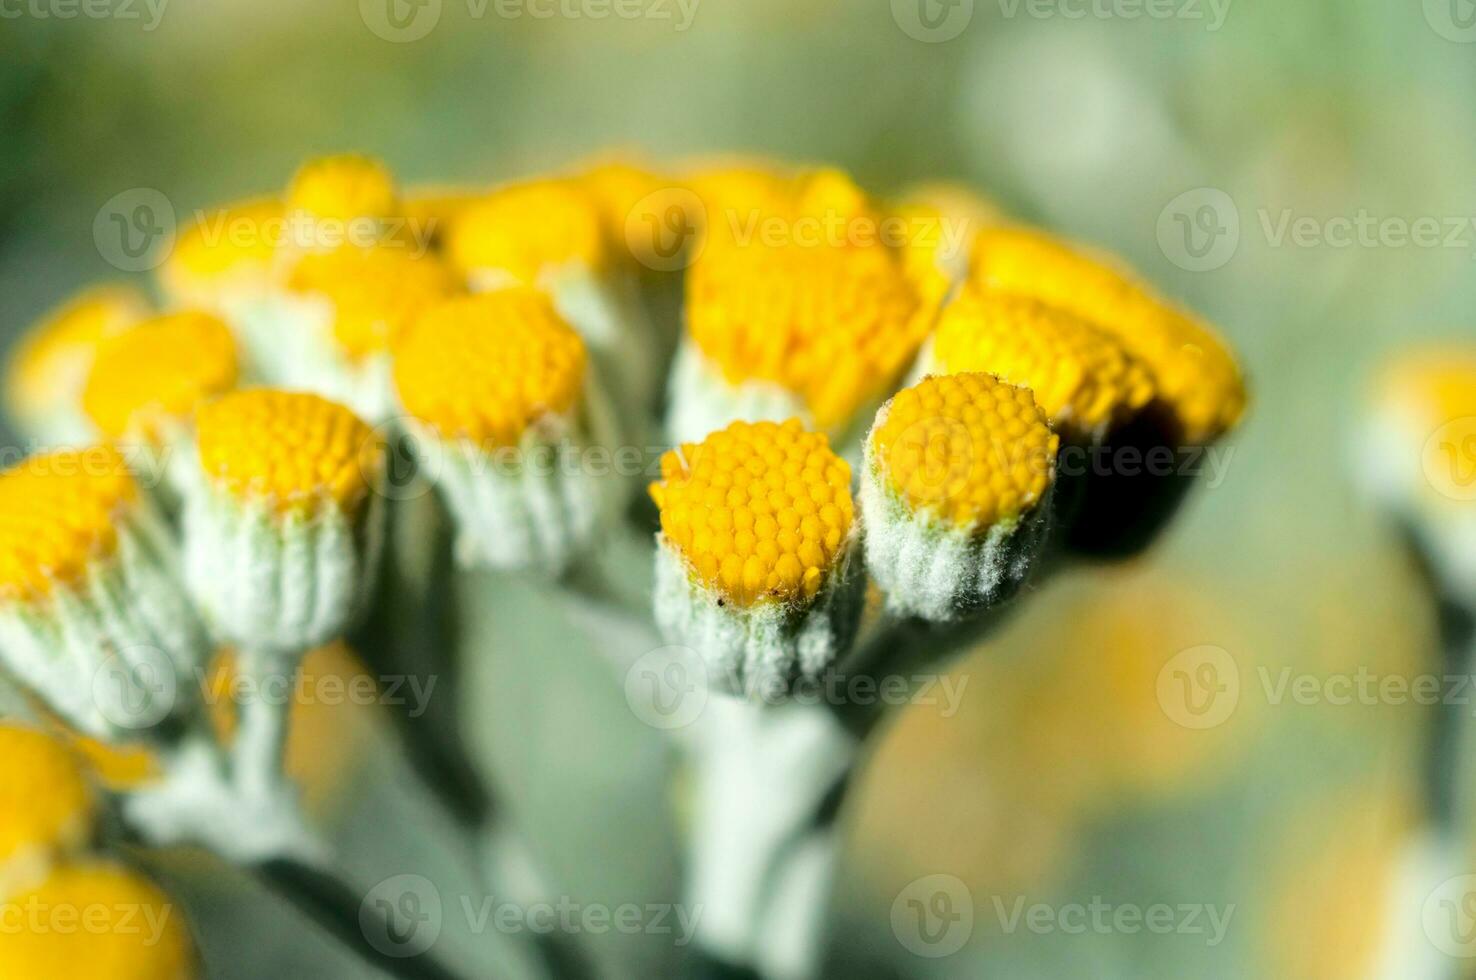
(46, 803)
(1081, 375)
(95, 920)
(58, 514)
(835, 325)
(968, 448)
(485, 368)
(155, 373)
(376, 293)
(343, 188)
(1194, 372)
(759, 511)
(296, 450)
(526, 230)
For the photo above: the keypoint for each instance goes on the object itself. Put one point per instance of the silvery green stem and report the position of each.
(260, 743)
(199, 800)
(763, 773)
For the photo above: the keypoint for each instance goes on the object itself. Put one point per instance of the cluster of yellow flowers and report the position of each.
(921, 344)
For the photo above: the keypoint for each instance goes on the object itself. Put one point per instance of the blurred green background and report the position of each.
(1064, 776)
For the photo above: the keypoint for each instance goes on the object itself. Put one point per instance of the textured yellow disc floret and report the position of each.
(1194, 372)
(758, 511)
(835, 325)
(527, 230)
(225, 248)
(95, 919)
(58, 514)
(154, 374)
(51, 364)
(343, 188)
(484, 368)
(1081, 375)
(968, 448)
(45, 801)
(296, 450)
(376, 293)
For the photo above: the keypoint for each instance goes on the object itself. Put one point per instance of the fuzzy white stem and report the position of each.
(260, 745)
(763, 772)
(198, 801)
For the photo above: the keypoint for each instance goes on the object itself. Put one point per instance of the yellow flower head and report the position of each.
(809, 208)
(740, 185)
(640, 209)
(528, 231)
(376, 293)
(50, 366)
(226, 250)
(939, 223)
(834, 325)
(485, 368)
(296, 451)
(968, 448)
(152, 376)
(342, 188)
(1193, 371)
(46, 804)
(58, 515)
(96, 919)
(1428, 396)
(759, 511)
(1081, 375)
